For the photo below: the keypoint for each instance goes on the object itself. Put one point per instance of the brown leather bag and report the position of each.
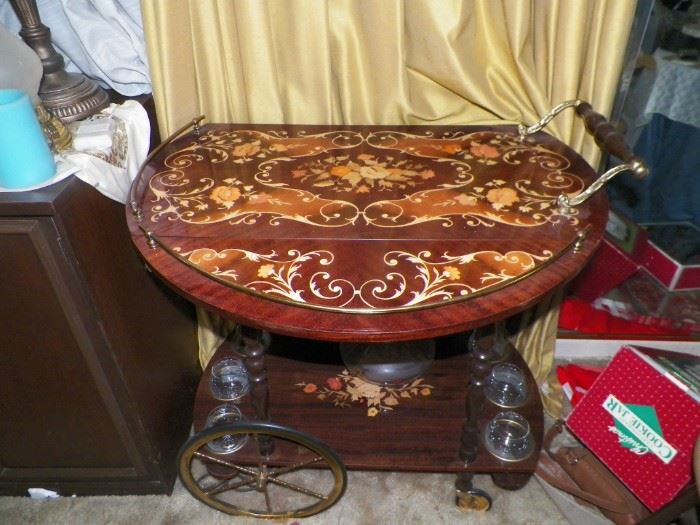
(578, 472)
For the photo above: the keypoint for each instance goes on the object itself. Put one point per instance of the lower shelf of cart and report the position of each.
(419, 431)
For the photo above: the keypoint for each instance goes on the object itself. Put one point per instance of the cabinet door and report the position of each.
(60, 417)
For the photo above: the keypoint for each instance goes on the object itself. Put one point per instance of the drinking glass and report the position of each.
(229, 379)
(506, 386)
(494, 335)
(228, 443)
(508, 437)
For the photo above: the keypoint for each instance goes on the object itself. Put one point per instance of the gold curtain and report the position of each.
(388, 62)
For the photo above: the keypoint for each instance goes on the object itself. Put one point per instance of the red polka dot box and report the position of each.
(641, 418)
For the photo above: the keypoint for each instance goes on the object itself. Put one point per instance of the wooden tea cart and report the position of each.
(314, 236)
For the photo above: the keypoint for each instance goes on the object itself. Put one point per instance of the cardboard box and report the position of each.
(650, 299)
(671, 253)
(626, 234)
(615, 260)
(609, 267)
(641, 417)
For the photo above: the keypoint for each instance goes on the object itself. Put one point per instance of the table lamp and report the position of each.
(69, 96)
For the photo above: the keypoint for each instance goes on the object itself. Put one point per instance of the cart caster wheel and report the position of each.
(473, 500)
(301, 477)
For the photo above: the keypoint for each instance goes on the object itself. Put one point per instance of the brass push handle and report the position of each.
(606, 136)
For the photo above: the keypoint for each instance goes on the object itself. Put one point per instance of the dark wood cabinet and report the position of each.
(98, 359)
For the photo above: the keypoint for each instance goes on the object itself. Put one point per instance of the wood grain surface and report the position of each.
(422, 433)
(364, 233)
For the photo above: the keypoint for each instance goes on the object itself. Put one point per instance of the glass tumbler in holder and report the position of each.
(507, 436)
(388, 363)
(229, 443)
(506, 386)
(229, 379)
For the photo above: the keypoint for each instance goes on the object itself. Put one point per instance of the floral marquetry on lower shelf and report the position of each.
(346, 389)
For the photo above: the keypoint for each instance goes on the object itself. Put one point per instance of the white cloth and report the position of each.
(676, 90)
(671, 89)
(111, 178)
(101, 38)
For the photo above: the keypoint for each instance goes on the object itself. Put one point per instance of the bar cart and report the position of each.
(317, 238)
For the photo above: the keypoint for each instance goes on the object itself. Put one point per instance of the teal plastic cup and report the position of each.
(25, 157)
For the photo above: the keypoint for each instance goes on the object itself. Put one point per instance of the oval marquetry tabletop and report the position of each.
(364, 233)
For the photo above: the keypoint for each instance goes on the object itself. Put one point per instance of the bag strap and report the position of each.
(550, 470)
(553, 431)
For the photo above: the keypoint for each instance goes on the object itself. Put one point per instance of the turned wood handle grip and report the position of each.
(609, 139)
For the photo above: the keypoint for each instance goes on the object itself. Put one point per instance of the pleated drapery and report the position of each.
(388, 62)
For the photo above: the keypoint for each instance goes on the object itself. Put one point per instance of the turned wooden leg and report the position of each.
(254, 343)
(464, 481)
(467, 497)
(480, 363)
(469, 440)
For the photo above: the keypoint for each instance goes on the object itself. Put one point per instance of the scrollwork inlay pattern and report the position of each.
(410, 280)
(344, 178)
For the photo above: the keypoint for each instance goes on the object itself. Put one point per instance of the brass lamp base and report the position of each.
(69, 96)
(72, 96)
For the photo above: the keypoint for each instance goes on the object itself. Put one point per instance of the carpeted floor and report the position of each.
(371, 498)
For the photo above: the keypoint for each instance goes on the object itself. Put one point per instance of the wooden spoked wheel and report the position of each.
(252, 483)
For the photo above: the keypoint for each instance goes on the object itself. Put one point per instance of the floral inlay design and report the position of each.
(362, 219)
(384, 179)
(363, 173)
(240, 199)
(485, 205)
(409, 280)
(344, 389)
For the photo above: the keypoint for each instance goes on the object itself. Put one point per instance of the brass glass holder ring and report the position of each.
(507, 436)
